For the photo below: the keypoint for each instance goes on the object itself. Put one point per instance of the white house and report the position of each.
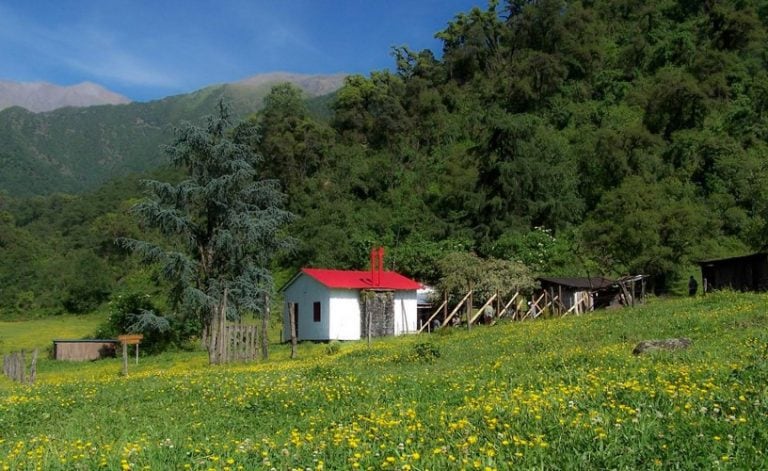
(330, 304)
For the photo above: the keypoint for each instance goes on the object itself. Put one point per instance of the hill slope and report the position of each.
(74, 149)
(560, 394)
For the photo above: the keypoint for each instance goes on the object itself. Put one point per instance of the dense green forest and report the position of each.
(580, 138)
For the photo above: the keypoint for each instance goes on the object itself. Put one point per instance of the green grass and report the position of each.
(563, 393)
(39, 333)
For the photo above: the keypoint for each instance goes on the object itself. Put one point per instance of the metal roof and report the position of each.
(353, 279)
(595, 282)
(740, 257)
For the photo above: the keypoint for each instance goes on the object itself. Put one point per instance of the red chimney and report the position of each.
(377, 265)
(381, 265)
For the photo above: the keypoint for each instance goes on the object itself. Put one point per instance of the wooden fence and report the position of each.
(15, 367)
(236, 343)
(512, 307)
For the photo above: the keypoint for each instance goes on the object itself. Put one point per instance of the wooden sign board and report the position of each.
(130, 339)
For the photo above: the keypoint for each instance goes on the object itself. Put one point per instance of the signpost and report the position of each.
(129, 339)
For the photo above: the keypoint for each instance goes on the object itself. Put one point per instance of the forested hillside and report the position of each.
(634, 132)
(594, 137)
(77, 149)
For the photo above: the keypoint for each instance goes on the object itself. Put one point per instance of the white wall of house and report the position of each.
(306, 291)
(405, 312)
(345, 314)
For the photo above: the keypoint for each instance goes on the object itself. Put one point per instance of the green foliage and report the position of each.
(333, 347)
(426, 351)
(633, 133)
(137, 314)
(89, 285)
(77, 149)
(540, 251)
(463, 271)
(221, 226)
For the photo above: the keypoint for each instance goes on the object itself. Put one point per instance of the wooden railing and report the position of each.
(543, 303)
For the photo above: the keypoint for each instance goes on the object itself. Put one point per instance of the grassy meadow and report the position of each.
(38, 333)
(560, 393)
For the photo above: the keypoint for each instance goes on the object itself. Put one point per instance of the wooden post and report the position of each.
(213, 336)
(125, 359)
(552, 295)
(253, 340)
(264, 328)
(22, 368)
(292, 315)
(223, 337)
(129, 339)
(469, 308)
(368, 320)
(445, 308)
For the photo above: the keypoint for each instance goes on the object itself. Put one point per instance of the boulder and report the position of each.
(663, 344)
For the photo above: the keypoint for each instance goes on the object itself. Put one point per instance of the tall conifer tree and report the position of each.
(221, 225)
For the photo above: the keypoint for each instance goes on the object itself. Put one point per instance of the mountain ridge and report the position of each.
(44, 96)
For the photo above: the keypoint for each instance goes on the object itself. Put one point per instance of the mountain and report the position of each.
(43, 96)
(75, 149)
(314, 85)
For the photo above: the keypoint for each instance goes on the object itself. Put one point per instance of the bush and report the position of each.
(426, 351)
(333, 347)
(135, 314)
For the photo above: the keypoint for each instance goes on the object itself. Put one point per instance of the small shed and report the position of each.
(744, 273)
(83, 350)
(335, 304)
(581, 293)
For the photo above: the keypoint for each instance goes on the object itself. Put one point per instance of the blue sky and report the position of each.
(151, 49)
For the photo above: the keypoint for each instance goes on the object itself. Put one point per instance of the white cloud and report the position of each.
(85, 49)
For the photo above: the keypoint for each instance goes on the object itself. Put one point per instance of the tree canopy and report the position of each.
(221, 226)
(625, 137)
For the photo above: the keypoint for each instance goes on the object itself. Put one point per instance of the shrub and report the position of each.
(333, 347)
(136, 314)
(426, 351)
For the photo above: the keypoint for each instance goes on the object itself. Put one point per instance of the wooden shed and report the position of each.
(583, 294)
(83, 350)
(744, 273)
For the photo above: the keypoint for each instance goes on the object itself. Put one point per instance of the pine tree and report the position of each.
(221, 227)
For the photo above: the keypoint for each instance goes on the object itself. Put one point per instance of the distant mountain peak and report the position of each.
(44, 96)
(314, 85)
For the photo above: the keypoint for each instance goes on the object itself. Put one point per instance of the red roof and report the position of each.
(360, 279)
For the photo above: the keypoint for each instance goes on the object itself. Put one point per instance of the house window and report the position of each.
(316, 312)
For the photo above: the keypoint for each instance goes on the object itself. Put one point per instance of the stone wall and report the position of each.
(379, 306)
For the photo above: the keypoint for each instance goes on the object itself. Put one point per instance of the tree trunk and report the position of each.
(264, 328)
(213, 336)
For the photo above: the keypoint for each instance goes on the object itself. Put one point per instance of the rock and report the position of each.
(663, 344)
